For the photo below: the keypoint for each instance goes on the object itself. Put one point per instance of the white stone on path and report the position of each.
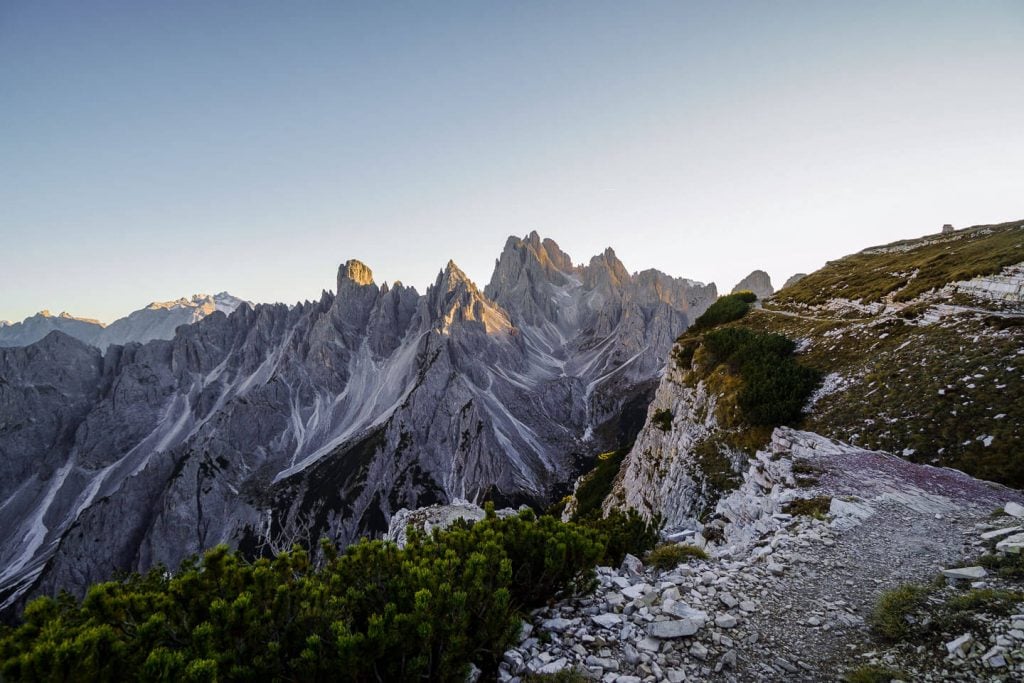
(675, 628)
(725, 621)
(607, 620)
(965, 573)
(996, 533)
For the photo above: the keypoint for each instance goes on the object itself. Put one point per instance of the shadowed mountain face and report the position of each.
(757, 282)
(279, 424)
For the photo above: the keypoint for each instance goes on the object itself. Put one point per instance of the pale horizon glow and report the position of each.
(150, 151)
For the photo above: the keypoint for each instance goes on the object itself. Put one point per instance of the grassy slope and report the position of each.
(910, 268)
(936, 389)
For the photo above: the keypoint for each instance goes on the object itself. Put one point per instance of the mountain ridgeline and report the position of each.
(278, 424)
(158, 320)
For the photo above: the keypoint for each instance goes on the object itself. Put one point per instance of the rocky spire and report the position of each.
(354, 272)
(455, 298)
(757, 282)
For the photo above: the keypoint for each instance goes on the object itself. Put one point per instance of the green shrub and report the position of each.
(374, 612)
(726, 309)
(671, 555)
(775, 386)
(662, 419)
(623, 532)
(991, 600)
(889, 618)
(816, 507)
(872, 673)
(597, 484)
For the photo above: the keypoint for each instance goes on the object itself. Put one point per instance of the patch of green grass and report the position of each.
(890, 616)
(1010, 567)
(991, 600)
(716, 467)
(959, 613)
(817, 507)
(671, 555)
(662, 419)
(873, 673)
(914, 612)
(935, 389)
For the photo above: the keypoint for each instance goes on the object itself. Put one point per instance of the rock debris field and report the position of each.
(789, 598)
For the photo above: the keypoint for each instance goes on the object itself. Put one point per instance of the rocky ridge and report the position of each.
(787, 597)
(158, 320)
(282, 424)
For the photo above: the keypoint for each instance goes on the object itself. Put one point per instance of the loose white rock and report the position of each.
(965, 573)
(675, 628)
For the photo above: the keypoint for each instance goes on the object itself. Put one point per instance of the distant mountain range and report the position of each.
(158, 320)
(280, 423)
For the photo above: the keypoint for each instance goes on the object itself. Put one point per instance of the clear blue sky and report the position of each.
(149, 150)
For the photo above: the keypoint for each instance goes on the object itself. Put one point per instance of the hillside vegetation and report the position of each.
(907, 269)
(929, 371)
(374, 612)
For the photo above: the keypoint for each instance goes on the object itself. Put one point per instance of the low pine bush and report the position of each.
(775, 386)
(373, 612)
(726, 309)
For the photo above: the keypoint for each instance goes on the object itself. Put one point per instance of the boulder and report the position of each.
(675, 628)
(965, 573)
(1012, 544)
(960, 646)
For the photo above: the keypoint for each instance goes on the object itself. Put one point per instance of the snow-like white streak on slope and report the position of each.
(165, 435)
(503, 418)
(606, 376)
(371, 395)
(34, 530)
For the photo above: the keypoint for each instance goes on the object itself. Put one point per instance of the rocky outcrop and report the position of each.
(158, 320)
(663, 475)
(279, 424)
(757, 282)
(436, 517)
(794, 279)
(784, 596)
(1005, 288)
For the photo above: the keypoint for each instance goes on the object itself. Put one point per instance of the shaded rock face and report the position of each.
(794, 279)
(757, 282)
(279, 424)
(158, 320)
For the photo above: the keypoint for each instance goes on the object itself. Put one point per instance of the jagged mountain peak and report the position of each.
(454, 298)
(540, 258)
(337, 413)
(354, 272)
